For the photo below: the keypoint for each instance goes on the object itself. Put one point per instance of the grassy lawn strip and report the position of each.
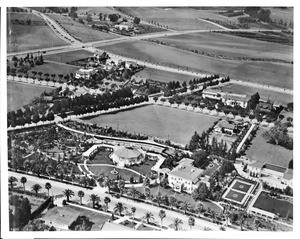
(68, 56)
(267, 203)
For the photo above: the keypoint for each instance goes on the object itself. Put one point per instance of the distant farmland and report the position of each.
(275, 74)
(28, 37)
(231, 46)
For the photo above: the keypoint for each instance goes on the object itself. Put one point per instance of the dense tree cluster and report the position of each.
(259, 13)
(21, 214)
(278, 135)
(22, 65)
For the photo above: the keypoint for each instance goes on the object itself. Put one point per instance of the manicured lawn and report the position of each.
(28, 37)
(20, 94)
(163, 76)
(97, 218)
(265, 152)
(106, 170)
(101, 157)
(274, 205)
(81, 31)
(53, 68)
(269, 73)
(264, 94)
(145, 167)
(231, 46)
(68, 56)
(158, 121)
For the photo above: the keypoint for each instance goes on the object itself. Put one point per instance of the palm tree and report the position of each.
(108, 183)
(162, 215)
(107, 201)
(23, 181)
(185, 206)
(176, 223)
(68, 193)
(94, 198)
(119, 207)
(134, 192)
(80, 195)
(159, 199)
(121, 186)
(48, 187)
(148, 216)
(256, 223)
(12, 180)
(173, 201)
(36, 187)
(133, 210)
(241, 219)
(191, 222)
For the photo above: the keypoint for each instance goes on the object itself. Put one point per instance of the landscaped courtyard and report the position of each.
(274, 205)
(158, 121)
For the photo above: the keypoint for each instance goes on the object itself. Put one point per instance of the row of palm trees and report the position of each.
(36, 187)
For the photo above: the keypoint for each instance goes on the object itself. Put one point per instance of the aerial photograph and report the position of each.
(149, 118)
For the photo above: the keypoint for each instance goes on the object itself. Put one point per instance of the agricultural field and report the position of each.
(264, 94)
(262, 151)
(231, 46)
(65, 57)
(179, 19)
(158, 121)
(268, 73)
(20, 94)
(95, 10)
(81, 31)
(163, 76)
(29, 37)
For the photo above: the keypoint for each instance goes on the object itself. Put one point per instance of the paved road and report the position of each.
(58, 187)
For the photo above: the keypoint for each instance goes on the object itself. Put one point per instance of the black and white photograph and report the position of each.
(166, 119)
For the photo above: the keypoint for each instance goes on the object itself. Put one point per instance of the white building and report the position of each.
(233, 99)
(126, 156)
(85, 73)
(212, 94)
(185, 177)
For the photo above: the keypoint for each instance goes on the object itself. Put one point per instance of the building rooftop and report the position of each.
(274, 167)
(236, 97)
(186, 171)
(127, 152)
(257, 164)
(211, 91)
(224, 124)
(61, 215)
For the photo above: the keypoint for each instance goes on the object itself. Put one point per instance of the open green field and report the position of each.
(179, 19)
(264, 94)
(262, 151)
(29, 37)
(54, 68)
(23, 16)
(231, 46)
(158, 121)
(274, 205)
(81, 31)
(269, 73)
(68, 56)
(20, 94)
(163, 76)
